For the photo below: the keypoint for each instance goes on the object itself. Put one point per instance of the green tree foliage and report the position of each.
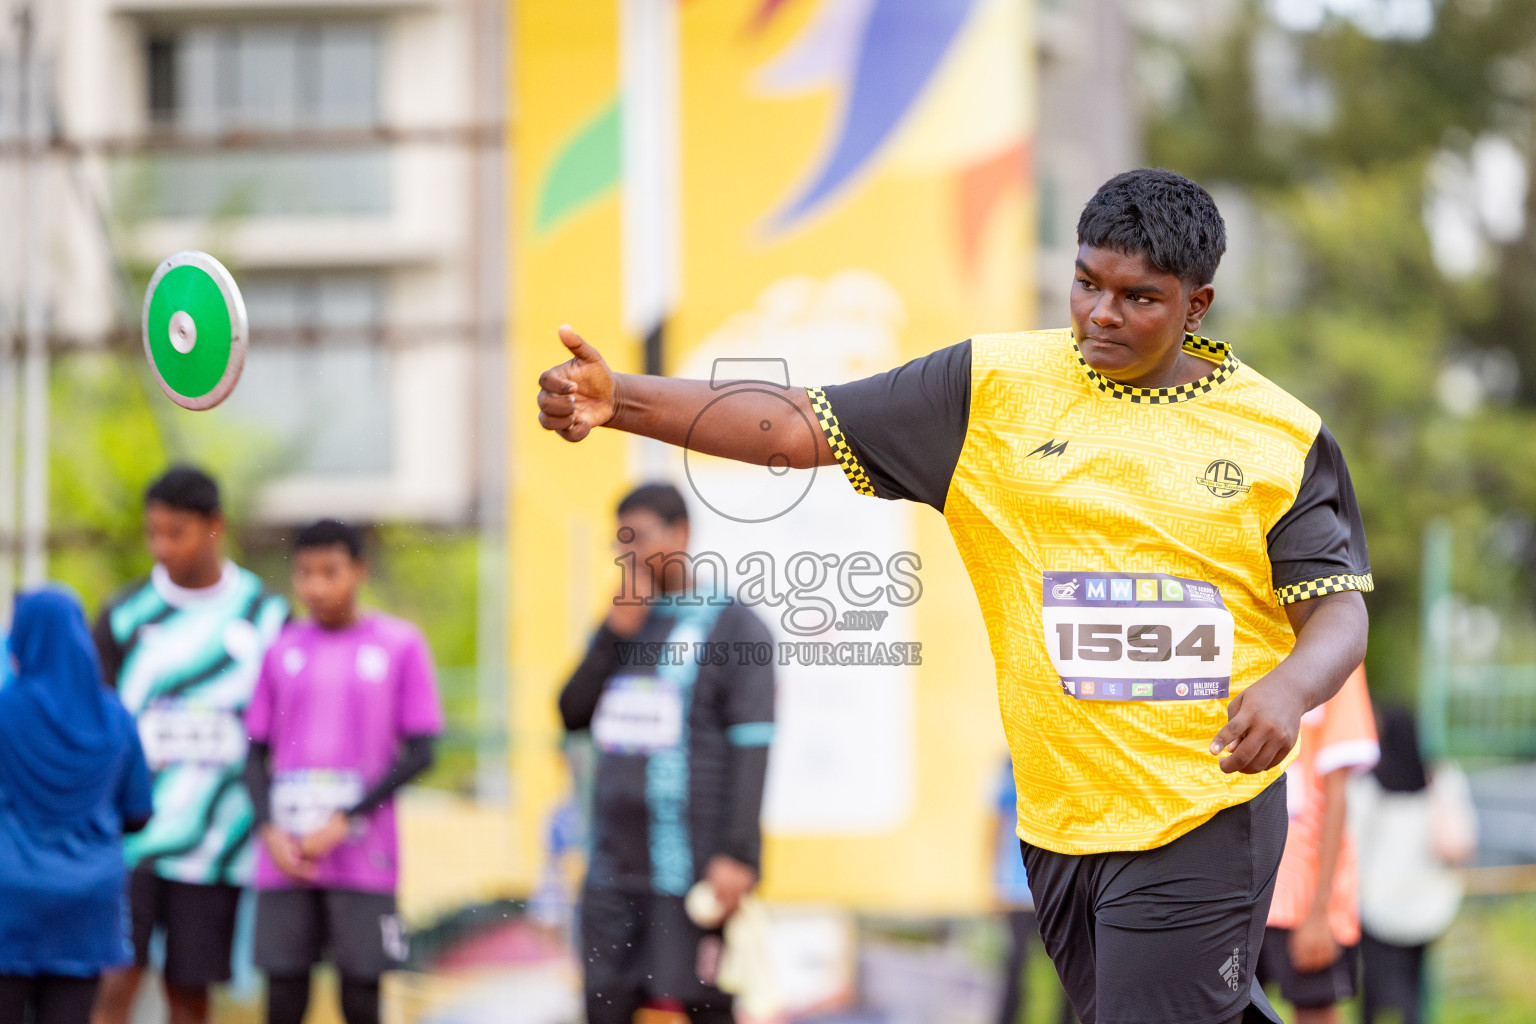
(113, 433)
(1335, 155)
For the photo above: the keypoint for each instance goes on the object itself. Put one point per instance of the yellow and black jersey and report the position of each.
(1132, 550)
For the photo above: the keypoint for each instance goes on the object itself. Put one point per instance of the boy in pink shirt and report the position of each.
(345, 713)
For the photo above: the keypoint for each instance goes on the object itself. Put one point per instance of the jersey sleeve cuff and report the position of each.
(750, 734)
(841, 450)
(1359, 755)
(1323, 586)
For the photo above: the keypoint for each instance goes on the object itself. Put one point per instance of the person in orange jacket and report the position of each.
(1312, 937)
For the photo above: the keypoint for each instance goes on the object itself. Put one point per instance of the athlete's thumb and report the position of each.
(578, 345)
(1233, 730)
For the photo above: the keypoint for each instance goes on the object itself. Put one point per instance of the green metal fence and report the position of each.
(473, 747)
(1466, 711)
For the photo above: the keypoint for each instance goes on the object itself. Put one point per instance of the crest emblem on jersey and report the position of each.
(1224, 478)
(372, 663)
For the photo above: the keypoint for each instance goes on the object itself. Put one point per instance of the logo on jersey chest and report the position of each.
(1048, 449)
(1223, 478)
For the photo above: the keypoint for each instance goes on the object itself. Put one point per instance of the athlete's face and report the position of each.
(188, 544)
(646, 536)
(326, 581)
(1130, 318)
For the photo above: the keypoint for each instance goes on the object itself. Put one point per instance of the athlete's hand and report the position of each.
(578, 394)
(1312, 945)
(731, 880)
(625, 616)
(627, 619)
(318, 844)
(1262, 724)
(285, 853)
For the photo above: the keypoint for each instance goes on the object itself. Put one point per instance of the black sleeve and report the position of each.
(415, 757)
(578, 700)
(258, 780)
(747, 711)
(108, 651)
(898, 434)
(1318, 546)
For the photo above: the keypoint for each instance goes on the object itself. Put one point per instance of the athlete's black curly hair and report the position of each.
(1163, 216)
(186, 488)
(327, 533)
(662, 499)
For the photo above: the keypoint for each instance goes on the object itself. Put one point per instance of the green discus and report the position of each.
(194, 329)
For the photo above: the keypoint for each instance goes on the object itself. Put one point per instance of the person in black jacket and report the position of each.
(681, 715)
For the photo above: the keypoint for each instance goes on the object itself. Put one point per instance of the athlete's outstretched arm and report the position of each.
(582, 393)
(1263, 721)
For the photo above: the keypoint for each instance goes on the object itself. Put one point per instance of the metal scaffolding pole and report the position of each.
(493, 780)
(11, 120)
(34, 428)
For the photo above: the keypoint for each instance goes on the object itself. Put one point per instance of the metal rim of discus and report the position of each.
(182, 333)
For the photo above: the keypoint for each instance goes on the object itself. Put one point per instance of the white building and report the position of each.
(1086, 132)
(343, 158)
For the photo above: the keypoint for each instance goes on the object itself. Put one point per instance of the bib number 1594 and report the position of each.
(1137, 636)
(1110, 641)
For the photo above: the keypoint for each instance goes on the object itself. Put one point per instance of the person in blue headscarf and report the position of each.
(72, 780)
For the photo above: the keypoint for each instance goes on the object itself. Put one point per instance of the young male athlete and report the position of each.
(1312, 940)
(345, 713)
(183, 648)
(1169, 558)
(682, 748)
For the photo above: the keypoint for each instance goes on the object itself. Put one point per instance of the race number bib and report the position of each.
(173, 733)
(638, 715)
(1137, 636)
(305, 799)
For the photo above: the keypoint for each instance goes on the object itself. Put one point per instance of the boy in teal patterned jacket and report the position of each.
(183, 649)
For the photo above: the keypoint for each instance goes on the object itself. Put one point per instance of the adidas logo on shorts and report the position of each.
(1232, 969)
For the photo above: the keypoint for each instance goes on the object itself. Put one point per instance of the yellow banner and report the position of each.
(803, 191)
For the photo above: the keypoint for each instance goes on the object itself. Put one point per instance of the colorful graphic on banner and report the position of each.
(844, 190)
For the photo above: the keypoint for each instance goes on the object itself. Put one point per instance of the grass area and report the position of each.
(1483, 971)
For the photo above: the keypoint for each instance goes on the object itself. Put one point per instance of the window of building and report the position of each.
(1048, 199)
(316, 382)
(265, 77)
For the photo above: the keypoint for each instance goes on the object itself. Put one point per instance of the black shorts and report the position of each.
(361, 930)
(199, 924)
(1316, 990)
(1168, 935)
(46, 999)
(644, 946)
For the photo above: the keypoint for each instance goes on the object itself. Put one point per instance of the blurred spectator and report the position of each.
(345, 713)
(183, 648)
(1413, 825)
(1311, 944)
(1018, 903)
(72, 781)
(682, 757)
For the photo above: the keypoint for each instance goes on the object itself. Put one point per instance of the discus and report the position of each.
(194, 329)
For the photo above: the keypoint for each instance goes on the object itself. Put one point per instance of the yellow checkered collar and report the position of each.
(1216, 351)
